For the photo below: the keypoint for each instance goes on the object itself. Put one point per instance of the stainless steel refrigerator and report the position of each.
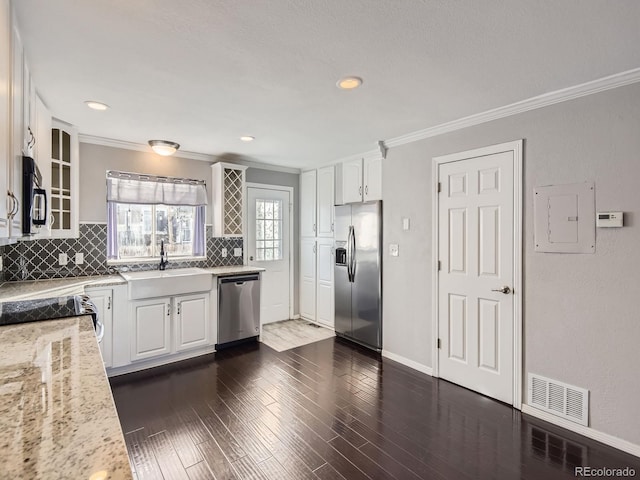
(358, 273)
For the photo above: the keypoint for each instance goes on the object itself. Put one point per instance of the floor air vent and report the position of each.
(560, 399)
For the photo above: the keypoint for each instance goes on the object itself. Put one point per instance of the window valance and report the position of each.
(124, 187)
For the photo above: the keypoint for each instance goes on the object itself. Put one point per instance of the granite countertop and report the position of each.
(58, 287)
(57, 415)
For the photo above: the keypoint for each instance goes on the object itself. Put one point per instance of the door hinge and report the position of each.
(439, 265)
(439, 187)
(439, 344)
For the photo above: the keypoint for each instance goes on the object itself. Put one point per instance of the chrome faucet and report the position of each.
(163, 257)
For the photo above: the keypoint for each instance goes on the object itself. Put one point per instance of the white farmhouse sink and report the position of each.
(163, 283)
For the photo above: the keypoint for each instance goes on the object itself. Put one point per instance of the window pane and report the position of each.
(268, 244)
(175, 226)
(277, 209)
(268, 254)
(134, 228)
(259, 229)
(259, 209)
(276, 230)
(268, 229)
(268, 209)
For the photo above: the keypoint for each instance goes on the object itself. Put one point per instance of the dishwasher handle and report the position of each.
(239, 279)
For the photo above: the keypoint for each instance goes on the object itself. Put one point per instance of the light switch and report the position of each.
(224, 253)
(237, 252)
(405, 223)
(63, 259)
(79, 258)
(393, 249)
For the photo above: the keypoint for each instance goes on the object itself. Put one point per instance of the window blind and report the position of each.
(124, 187)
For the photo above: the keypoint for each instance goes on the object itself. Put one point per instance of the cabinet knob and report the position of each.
(366, 190)
(360, 190)
(168, 309)
(179, 307)
(108, 303)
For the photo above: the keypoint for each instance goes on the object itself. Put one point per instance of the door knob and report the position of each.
(251, 258)
(506, 290)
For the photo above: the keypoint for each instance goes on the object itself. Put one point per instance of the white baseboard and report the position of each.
(409, 363)
(589, 432)
(295, 317)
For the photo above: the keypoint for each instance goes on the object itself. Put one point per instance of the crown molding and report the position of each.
(558, 96)
(202, 157)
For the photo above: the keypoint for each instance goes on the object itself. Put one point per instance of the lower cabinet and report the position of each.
(151, 328)
(103, 300)
(153, 320)
(316, 280)
(192, 326)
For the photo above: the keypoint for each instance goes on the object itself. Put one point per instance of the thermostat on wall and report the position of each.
(609, 219)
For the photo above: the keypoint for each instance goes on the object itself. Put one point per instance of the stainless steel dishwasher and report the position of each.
(238, 307)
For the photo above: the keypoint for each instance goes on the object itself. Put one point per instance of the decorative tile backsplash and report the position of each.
(38, 259)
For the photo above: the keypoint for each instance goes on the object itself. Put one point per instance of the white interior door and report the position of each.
(269, 247)
(476, 252)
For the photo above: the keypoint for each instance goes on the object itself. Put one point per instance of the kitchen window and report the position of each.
(268, 230)
(144, 211)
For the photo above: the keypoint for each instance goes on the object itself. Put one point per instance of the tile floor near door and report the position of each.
(289, 334)
(329, 410)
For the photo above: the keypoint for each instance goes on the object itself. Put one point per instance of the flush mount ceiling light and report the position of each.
(349, 83)
(96, 105)
(164, 147)
(247, 138)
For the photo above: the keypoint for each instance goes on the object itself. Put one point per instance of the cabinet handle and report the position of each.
(17, 204)
(168, 309)
(360, 190)
(179, 307)
(314, 248)
(366, 190)
(332, 227)
(109, 303)
(314, 227)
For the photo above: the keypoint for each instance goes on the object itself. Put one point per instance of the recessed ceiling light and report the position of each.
(96, 105)
(349, 83)
(164, 147)
(247, 138)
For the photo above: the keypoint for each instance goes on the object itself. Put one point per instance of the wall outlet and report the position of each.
(237, 252)
(79, 258)
(63, 259)
(393, 249)
(224, 253)
(405, 223)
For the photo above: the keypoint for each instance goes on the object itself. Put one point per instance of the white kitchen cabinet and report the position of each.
(324, 282)
(308, 203)
(372, 179)
(103, 300)
(191, 322)
(228, 199)
(325, 199)
(359, 180)
(308, 278)
(63, 167)
(5, 115)
(151, 328)
(14, 189)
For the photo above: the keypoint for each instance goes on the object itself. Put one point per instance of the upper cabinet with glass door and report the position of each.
(64, 181)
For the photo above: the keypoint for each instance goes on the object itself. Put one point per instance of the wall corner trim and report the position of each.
(407, 362)
(589, 432)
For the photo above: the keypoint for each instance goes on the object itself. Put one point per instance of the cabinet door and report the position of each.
(308, 204)
(64, 181)
(5, 119)
(326, 200)
(192, 324)
(150, 330)
(352, 181)
(324, 295)
(372, 174)
(17, 132)
(103, 299)
(308, 278)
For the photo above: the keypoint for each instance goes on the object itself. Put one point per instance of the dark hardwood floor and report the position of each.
(331, 410)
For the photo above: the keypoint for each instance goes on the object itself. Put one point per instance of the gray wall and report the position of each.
(95, 160)
(580, 324)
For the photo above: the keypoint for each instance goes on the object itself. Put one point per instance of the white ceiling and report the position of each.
(204, 72)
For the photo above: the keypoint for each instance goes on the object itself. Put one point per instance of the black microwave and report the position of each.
(34, 198)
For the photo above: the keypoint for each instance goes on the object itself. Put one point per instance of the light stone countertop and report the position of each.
(58, 287)
(62, 287)
(57, 415)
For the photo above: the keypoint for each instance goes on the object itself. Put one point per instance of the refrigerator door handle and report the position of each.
(349, 254)
(353, 253)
